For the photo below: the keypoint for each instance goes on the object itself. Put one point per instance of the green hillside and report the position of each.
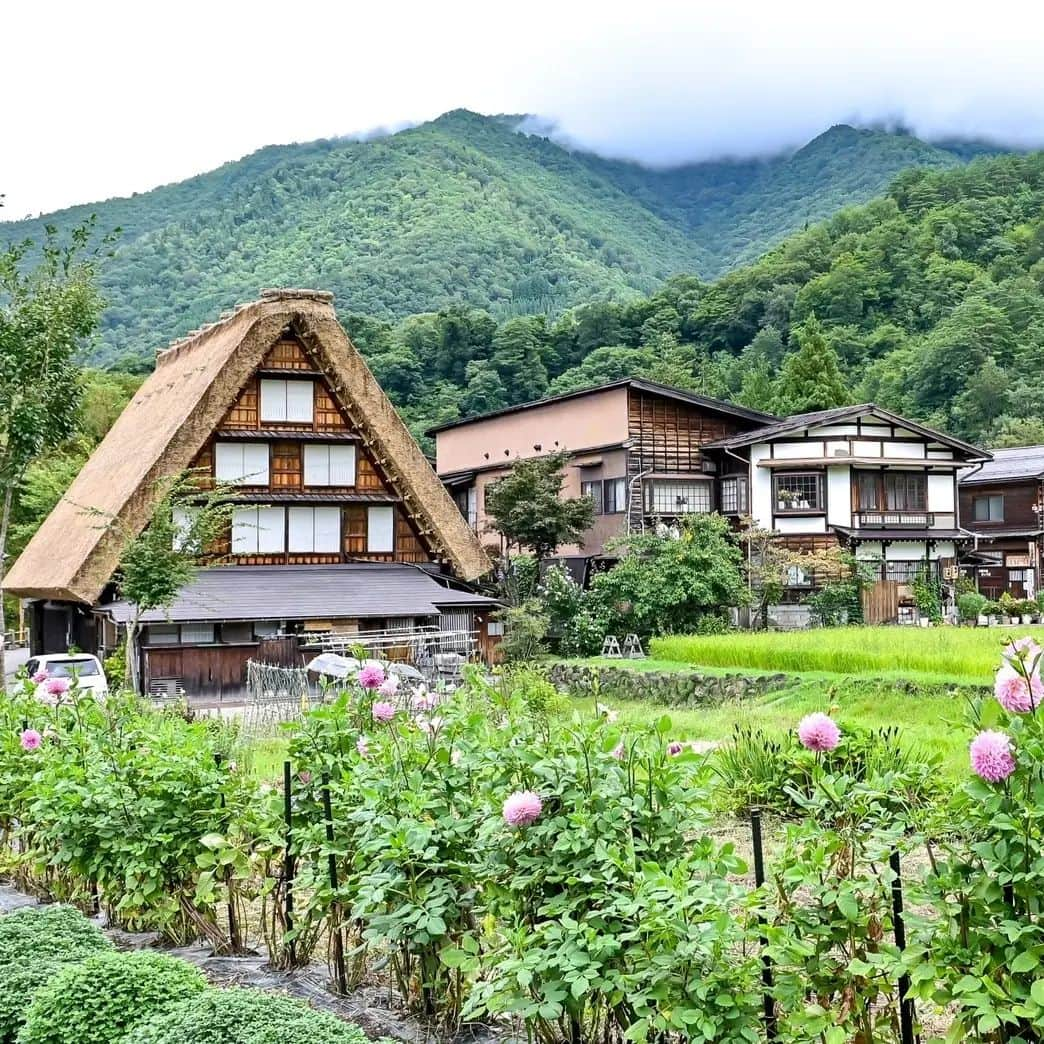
(460, 210)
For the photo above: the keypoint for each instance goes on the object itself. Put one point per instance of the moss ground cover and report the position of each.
(958, 654)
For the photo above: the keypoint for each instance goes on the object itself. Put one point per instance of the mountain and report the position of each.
(462, 209)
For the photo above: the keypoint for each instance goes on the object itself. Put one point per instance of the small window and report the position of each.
(798, 577)
(289, 401)
(614, 495)
(906, 491)
(674, 497)
(734, 495)
(593, 490)
(258, 530)
(237, 633)
(799, 493)
(184, 519)
(988, 509)
(266, 628)
(163, 634)
(315, 529)
(495, 628)
(329, 465)
(380, 530)
(241, 463)
(197, 634)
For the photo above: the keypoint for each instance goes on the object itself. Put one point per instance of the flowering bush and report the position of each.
(981, 949)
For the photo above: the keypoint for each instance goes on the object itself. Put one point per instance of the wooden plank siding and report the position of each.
(667, 437)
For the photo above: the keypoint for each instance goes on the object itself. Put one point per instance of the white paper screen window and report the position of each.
(315, 529)
(380, 529)
(259, 530)
(329, 465)
(197, 634)
(241, 463)
(184, 519)
(289, 401)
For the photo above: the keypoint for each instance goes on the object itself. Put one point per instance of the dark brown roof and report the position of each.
(905, 534)
(641, 383)
(799, 421)
(352, 591)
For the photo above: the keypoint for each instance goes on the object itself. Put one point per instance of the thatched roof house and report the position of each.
(276, 399)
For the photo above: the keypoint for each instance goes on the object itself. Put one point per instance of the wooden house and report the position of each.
(636, 448)
(1002, 503)
(339, 524)
(863, 478)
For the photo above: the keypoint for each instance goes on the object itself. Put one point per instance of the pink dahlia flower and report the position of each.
(424, 700)
(1014, 693)
(40, 677)
(991, 756)
(619, 751)
(390, 685)
(305, 777)
(522, 808)
(675, 747)
(362, 746)
(57, 686)
(31, 739)
(371, 676)
(818, 732)
(383, 711)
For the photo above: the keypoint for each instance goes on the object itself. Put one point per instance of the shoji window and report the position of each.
(329, 465)
(315, 529)
(184, 519)
(380, 529)
(241, 463)
(290, 401)
(258, 530)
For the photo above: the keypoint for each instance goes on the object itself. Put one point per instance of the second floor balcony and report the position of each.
(895, 519)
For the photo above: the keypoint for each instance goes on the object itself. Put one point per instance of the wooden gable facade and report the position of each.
(355, 511)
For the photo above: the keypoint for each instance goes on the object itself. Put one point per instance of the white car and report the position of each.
(81, 670)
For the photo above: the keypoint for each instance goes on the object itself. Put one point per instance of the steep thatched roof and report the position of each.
(73, 554)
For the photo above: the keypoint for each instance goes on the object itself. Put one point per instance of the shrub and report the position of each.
(101, 999)
(971, 605)
(244, 1016)
(35, 944)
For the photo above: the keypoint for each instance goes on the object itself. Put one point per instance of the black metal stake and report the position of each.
(767, 982)
(335, 907)
(288, 859)
(906, 1004)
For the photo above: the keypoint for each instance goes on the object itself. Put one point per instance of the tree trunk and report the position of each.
(4, 521)
(130, 654)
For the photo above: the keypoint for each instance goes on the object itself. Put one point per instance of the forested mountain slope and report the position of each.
(460, 210)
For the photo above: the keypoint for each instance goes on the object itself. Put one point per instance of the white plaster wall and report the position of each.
(760, 486)
(940, 454)
(798, 450)
(800, 524)
(839, 496)
(865, 448)
(940, 493)
(904, 450)
(870, 549)
(837, 429)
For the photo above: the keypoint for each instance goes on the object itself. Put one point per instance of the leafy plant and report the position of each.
(971, 605)
(244, 1016)
(101, 999)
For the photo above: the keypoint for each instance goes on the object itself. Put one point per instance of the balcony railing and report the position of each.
(896, 519)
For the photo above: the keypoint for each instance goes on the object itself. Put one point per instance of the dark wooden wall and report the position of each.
(1019, 498)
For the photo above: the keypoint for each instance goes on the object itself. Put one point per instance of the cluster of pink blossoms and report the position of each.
(371, 676)
(819, 732)
(30, 739)
(992, 757)
(522, 808)
(383, 711)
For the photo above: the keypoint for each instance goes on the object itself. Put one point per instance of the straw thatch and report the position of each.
(74, 553)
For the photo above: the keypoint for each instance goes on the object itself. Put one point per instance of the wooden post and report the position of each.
(906, 1004)
(235, 940)
(767, 983)
(340, 971)
(288, 859)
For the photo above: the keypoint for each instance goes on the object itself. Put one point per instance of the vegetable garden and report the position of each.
(495, 856)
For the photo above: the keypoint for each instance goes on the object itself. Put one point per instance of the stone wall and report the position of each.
(670, 688)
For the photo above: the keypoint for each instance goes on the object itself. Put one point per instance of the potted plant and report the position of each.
(1008, 608)
(971, 607)
(992, 614)
(1026, 611)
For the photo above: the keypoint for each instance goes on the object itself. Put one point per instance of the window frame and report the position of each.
(257, 529)
(299, 512)
(593, 488)
(818, 509)
(739, 482)
(268, 399)
(704, 486)
(988, 499)
(614, 503)
(370, 549)
(326, 449)
(242, 476)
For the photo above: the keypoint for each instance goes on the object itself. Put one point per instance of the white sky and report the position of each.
(107, 98)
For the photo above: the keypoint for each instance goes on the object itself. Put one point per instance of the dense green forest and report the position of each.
(462, 210)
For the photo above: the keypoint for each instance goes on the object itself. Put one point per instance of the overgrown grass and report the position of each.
(961, 654)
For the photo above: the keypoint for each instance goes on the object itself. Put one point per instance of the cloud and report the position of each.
(116, 97)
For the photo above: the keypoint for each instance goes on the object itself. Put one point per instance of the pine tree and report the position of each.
(811, 377)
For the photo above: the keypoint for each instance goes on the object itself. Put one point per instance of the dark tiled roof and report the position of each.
(641, 383)
(355, 590)
(905, 534)
(800, 421)
(1023, 462)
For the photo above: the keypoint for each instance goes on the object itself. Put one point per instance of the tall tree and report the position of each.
(811, 377)
(49, 307)
(527, 507)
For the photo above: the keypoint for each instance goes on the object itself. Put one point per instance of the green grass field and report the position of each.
(966, 655)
